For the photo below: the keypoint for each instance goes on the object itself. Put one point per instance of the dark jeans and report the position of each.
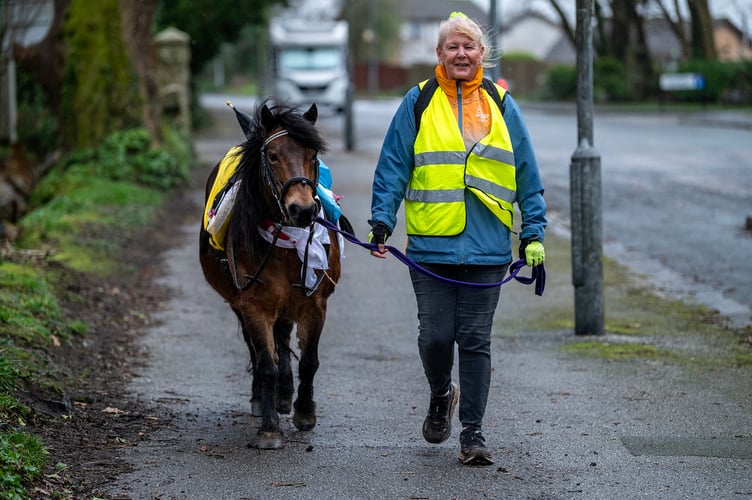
(449, 314)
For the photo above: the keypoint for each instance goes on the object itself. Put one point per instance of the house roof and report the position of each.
(436, 10)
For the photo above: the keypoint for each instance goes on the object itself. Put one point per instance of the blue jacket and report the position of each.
(485, 240)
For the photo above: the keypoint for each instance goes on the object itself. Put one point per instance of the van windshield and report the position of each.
(318, 58)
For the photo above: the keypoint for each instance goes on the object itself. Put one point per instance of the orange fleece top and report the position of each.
(476, 114)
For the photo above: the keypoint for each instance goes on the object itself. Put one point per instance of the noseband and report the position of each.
(277, 187)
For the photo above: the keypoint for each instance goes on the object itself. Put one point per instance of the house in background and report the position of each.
(531, 34)
(730, 42)
(416, 58)
(420, 27)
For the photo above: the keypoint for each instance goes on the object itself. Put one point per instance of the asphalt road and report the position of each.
(560, 426)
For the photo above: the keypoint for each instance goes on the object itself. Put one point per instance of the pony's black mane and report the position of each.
(251, 205)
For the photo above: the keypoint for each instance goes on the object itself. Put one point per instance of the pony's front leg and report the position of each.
(270, 433)
(255, 379)
(304, 417)
(285, 388)
(260, 332)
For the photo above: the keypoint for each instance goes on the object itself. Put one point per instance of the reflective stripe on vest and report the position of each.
(443, 171)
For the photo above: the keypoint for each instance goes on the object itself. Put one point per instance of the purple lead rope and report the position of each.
(538, 274)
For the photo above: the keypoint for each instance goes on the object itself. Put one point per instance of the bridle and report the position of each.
(279, 190)
(277, 187)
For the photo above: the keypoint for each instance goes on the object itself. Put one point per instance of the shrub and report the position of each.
(729, 82)
(610, 82)
(561, 82)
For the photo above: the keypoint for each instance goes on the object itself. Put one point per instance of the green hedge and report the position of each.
(725, 82)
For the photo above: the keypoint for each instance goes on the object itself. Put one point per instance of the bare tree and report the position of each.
(625, 41)
(564, 20)
(677, 24)
(137, 20)
(703, 44)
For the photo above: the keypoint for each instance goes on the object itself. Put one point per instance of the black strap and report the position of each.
(426, 93)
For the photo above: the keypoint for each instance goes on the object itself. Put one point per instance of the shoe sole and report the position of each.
(476, 457)
(452, 406)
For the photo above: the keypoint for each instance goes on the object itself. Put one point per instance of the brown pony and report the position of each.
(263, 283)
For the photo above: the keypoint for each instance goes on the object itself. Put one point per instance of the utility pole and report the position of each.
(492, 25)
(371, 39)
(585, 192)
(349, 132)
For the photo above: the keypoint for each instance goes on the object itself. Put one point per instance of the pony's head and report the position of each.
(279, 168)
(290, 163)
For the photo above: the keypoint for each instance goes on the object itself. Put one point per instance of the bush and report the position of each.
(128, 156)
(610, 82)
(725, 82)
(560, 83)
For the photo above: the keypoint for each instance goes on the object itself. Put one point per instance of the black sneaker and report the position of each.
(438, 423)
(472, 448)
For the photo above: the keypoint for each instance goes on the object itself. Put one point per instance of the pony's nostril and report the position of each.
(301, 215)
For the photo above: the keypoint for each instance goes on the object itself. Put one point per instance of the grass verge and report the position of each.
(640, 321)
(82, 212)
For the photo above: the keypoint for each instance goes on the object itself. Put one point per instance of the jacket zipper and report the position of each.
(459, 106)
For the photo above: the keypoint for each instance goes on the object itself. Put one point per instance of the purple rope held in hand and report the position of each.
(538, 275)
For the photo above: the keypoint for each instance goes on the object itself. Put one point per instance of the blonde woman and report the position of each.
(458, 153)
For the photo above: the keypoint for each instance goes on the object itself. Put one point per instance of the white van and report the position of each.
(309, 62)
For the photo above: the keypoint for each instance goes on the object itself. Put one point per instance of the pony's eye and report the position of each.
(272, 157)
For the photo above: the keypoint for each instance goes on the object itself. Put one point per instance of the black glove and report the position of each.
(379, 233)
(523, 245)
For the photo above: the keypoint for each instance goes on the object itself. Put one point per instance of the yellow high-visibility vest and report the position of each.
(444, 170)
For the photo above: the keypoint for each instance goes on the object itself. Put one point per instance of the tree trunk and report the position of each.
(643, 60)
(137, 19)
(703, 45)
(620, 29)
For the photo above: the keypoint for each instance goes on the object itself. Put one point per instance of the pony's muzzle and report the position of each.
(301, 203)
(302, 214)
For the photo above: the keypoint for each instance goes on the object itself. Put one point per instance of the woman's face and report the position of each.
(460, 56)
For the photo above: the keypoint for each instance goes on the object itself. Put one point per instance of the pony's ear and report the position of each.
(311, 114)
(267, 118)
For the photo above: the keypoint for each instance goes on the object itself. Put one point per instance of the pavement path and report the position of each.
(560, 426)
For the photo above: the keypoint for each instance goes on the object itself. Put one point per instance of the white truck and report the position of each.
(309, 62)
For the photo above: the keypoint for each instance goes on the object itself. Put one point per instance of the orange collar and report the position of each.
(450, 86)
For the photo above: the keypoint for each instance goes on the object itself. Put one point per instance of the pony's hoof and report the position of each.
(256, 409)
(269, 440)
(304, 423)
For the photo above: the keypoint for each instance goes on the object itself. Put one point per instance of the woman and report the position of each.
(459, 154)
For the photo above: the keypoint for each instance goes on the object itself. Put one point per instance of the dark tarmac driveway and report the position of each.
(560, 426)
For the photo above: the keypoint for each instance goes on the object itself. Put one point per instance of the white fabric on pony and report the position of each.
(297, 237)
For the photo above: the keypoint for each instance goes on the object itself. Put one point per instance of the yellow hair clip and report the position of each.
(457, 14)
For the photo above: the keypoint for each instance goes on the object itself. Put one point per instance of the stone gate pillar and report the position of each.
(174, 74)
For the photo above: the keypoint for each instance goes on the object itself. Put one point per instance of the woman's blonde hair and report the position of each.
(458, 22)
